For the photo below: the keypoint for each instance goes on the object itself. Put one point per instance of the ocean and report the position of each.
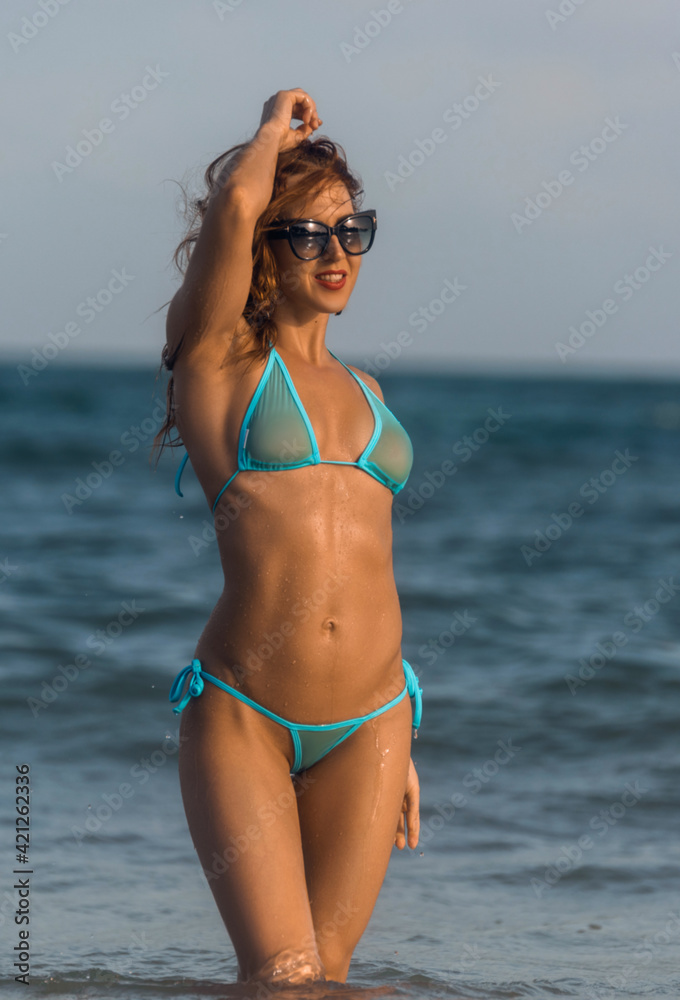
(536, 553)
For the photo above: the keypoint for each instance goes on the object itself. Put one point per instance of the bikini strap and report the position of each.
(339, 359)
(179, 474)
(415, 691)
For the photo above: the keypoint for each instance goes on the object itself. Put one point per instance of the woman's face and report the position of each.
(299, 280)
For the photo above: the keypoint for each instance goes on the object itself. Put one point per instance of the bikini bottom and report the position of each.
(310, 742)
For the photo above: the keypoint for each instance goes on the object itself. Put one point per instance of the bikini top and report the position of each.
(276, 433)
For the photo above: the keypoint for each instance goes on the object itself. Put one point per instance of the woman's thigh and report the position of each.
(241, 807)
(349, 808)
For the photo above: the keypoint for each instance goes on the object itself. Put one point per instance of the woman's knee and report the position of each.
(336, 942)
(336, 958)
(292, 966)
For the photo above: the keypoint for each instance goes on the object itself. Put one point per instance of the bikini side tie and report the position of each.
(196, 685)
(416, 692)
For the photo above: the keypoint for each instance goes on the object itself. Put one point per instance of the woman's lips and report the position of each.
(334, 285)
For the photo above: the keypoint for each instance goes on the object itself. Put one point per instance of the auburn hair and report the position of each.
(313, 165)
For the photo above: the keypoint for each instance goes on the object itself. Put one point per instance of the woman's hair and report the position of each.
(302, 171)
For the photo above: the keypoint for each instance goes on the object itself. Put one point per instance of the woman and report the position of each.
(293, 825)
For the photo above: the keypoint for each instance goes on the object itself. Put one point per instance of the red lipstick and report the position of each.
(333, 285)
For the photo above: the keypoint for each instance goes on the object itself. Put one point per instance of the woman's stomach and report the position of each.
(309, 621)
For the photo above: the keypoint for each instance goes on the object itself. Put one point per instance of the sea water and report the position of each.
(536, 553)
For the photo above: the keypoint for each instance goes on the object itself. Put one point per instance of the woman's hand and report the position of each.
(410, 810)
(278, 111)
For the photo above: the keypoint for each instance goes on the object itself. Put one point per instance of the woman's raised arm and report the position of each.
(213, 295)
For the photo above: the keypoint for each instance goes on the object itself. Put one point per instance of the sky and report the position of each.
(522, 157)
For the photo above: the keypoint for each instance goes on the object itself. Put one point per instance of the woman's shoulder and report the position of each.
(369, 380)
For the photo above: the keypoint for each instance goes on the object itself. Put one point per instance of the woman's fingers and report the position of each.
(288, 105)
(400, 838)
(413, 821)
(303, 110)
(408, 827)
(412, 802)
(304, 107)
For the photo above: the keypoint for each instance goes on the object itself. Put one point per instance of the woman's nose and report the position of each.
(334, 249)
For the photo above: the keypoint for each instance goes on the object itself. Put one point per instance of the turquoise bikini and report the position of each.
(310, 742)
(276, 434)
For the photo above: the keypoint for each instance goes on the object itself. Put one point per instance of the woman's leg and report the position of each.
(241, 808)
(349, 812)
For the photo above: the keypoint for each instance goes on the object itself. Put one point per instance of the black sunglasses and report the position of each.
(308, 239)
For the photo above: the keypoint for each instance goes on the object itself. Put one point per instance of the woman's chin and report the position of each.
(331, 302)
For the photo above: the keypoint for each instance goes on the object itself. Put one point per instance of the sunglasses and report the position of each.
(309, 239)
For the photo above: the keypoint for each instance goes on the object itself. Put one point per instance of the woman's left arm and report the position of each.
(410, 811)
